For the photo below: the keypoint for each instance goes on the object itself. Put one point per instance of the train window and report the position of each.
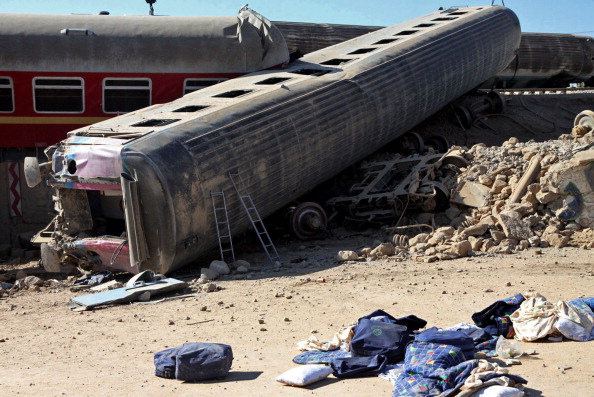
(58, 94)
(155, 122)
(440, 19)
(336, 61)
(232, 94)
(408, 32)
(191, 85)
(6, 95)
(310, 72)
(362, 51)
(125, 95)
(273, 80)
(190, 109)
(385, 41)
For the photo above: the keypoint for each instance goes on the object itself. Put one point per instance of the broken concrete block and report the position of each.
(50, 259)
(460, 249)
(347, 256)
(364, 252)
(421, 247)
(534, 241)
(418, 239)
(242, 270)
(546, 197)
(488, 244)
(476, 230)
(485, 180)
(497, 235)
(556, 240)
(471, 194)
(498, 186)
(475, 243)
(513, 226)
(384, 249)
(220, 267)
(488, 220)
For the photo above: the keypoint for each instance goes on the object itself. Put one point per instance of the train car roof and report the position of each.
(149, 44)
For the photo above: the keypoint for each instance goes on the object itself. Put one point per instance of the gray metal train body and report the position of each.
(548, 60)
(284, 131)
(135, 43)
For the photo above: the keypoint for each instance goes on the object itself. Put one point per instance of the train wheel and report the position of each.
(438, 143)
(309, 221)
(585, 118)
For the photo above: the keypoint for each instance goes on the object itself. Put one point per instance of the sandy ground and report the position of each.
(51, 351)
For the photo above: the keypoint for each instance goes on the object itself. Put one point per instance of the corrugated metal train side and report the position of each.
(285, 138)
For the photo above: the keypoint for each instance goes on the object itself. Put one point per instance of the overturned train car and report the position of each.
(151, 173)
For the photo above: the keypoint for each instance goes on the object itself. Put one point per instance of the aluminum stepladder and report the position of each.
(254, 217)
(219, 206)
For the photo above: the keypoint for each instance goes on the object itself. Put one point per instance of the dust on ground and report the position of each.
(51, 350)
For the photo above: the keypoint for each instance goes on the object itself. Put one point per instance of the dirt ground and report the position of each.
(50, 350)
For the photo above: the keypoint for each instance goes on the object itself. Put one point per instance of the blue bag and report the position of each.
(445, 337)
(194, 361)
(377, 337)
(356, 367)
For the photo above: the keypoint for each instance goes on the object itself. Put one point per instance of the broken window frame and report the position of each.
(8, 87)
(147, 88)
(49, 103)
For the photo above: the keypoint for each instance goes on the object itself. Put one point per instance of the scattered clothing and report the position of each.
(341, 340)
(356, 367)
(431, 369)
(495, 318)
(535, 319)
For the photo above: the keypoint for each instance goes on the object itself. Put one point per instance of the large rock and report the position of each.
(385, 249)
(208, 274)
(418, 239)
(220, 267)
(513, 226)
(347, 256)
(471, 194)
(475, 230)
(460, 249)
(241, 263)
(556, 240)
(50, 259)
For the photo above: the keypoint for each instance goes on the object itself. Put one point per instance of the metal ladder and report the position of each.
(219, 206)
(254, 216)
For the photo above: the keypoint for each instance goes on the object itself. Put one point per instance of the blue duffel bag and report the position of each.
(373, 338)
(448, 337)
(194, 361)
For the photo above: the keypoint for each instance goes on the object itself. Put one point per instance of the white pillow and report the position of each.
(304, 375)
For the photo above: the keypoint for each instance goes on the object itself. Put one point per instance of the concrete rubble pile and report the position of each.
(512, 197)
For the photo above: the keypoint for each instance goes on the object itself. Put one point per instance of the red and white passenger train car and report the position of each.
(62, 72)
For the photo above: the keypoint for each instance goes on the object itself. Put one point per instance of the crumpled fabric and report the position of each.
(483, 370)
(340, 340)
(535, 319)
(431, 369)
(500, 381)
(575, 322)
